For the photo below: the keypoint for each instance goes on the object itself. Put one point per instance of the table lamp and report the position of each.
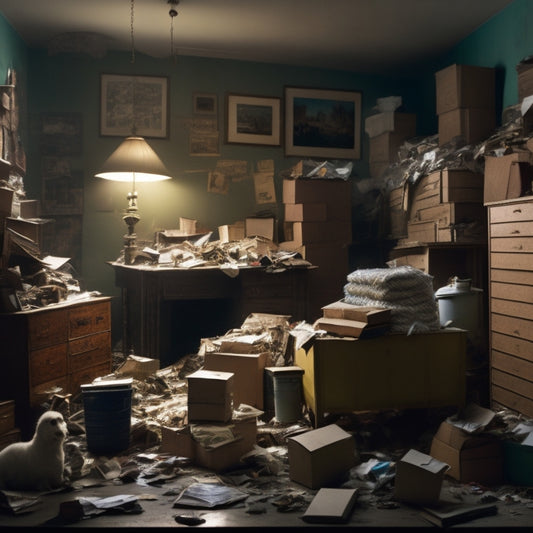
(133, 161)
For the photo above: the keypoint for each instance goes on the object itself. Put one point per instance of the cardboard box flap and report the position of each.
(421, 460)
(459, 439)
(321, 437)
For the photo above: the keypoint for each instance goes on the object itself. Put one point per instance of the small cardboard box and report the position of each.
(473, 124)
(231, 232)
(248, 369)
(471, 457)
(210, 386)
(500, 182)
(260, 227)
(369, 315)
(419, 478)
(6, 201)
(138, 367)
(321, 457)
(465, 86)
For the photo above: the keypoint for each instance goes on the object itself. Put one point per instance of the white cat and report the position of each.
(39, 463)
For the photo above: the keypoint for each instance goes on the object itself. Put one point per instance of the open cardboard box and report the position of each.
(321, 457)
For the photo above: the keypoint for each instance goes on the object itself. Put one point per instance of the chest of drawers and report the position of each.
(511, 303)
(52, 349)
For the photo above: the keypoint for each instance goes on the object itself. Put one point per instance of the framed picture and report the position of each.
(205, 104)
(134, 105)
(203, 143)
(253, 120)
(320, 123)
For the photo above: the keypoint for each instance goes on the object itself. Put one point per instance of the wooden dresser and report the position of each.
(58, 347)
(511, 303)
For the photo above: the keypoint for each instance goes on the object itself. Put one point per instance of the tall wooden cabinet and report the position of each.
(57, 347)
(511, 303)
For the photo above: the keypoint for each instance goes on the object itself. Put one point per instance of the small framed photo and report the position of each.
(204, 104)
(253, 120)
(323, 124)
(134, 105)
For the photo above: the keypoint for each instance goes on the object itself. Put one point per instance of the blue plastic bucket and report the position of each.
(107, 414)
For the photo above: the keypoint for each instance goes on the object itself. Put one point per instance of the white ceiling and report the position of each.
(356, 35)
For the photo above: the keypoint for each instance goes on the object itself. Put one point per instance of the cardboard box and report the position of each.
(500, 183)
(473, 124)
(471, 457)
(393, 371)
(391, 121)
(350, 328)
(39, 230)
(231, 232)
(384, 147)
(260, 227)
(180, 442)
(322, 232)
(30, 208)
(248, 370)
(369, 315)
(448, 213)
(465, 86)
(138, 367)
(331, 506)
(333, 192)
(308, 212)
(321, 457)
(6, 201)
(525, 80)
(444, 186)
(419, 478)
(210, 396)
(377, 168)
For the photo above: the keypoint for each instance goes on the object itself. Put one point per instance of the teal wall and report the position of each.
(71, 84)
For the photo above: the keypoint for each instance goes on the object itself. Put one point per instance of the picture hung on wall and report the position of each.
(134, 105)
(204, 103)
(322, 123)
(253, 120)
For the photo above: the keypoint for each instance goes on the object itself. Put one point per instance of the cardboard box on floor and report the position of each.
(471, 457)
(138, 367)
(248, 369)
(180, 442)
(419, 478)
(321, 457)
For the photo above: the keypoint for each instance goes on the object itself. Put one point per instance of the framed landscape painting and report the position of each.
(321, 123)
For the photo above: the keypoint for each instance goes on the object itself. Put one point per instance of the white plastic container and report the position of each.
(460, 306)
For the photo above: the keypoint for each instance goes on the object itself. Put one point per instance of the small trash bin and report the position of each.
(286, 385)
(107, 412)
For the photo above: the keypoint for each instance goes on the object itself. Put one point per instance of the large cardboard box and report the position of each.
(248, 370)
(384, 147)
(419, 478)
(391, 121)
(470, 457)
(394, 371)
(500, 182)
(307, 212)
(322, 232)
(473, 124)
(321, 457)
(333, 192)
(465, 86)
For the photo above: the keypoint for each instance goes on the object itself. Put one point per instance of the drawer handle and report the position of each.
(517, 210)
(82, 322)
(515, 232)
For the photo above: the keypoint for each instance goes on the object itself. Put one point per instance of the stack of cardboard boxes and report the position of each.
(465, 103)
(318, 224)
(387, 132)
(8, 432)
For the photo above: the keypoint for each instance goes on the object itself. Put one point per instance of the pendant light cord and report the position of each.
(132, 17)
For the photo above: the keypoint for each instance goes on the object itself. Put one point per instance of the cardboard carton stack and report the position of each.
(216, 436)
(349, 320)
(387, 132)
(465, 103)
(447, 206)
(8, 432)
(318, 224)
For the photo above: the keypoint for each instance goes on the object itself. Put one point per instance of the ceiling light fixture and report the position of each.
(173, 12)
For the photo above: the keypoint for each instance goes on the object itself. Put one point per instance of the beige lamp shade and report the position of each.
(134, 161)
